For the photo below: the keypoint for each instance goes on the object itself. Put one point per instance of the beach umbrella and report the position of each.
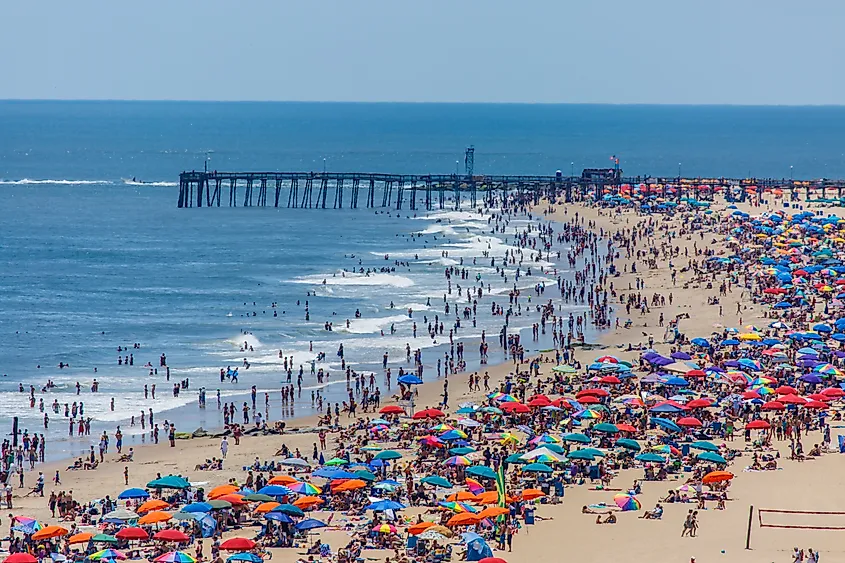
(133, 494)
(384, 529)
(666, 424)
(175, 557)
(258, 497)
(107, 554)
(436, 481)
(49, 532)
(628, 444)
(649, 457)
(626, 428)
(155, 517)
(132, 534)
(171, 534)
(712, 457)
(237, 544)
(289, 509)
(271, 491)
(295, 462)
(83, 537)
(282, 480)
(627, 502)
(389, 454)
(792, 400)
(493, 512)
(538, 468)
(462, 450)
(492, 560)
(463, 519)
(701, 342)
(246, 557)
(391, 409)
(349, 485)
(305, 488)
(419, 528)
(531, 494)
(491, 497)
(410, 380)
(383, 505)
(336, 461)
(461, 496)
(581, 454)
(703, 402)
(606, 427)
(758, 425)
(21, 557)
(833, 392)
(154, 504)
(428, 413)
(773, 406)
(307, 501)
(706, 446)
(481, 471)
(265, 507)
(197, 507)
(278, 517)
(515, 458)
(576, 437)
(689, 422)
(222, 490)
(457, 506)
(310, 524)
(169, 482)
(717, 477)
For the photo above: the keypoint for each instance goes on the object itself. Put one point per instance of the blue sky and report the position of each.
(541, 51)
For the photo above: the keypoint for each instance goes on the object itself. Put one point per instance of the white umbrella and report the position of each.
(295, 462)
(121, 514)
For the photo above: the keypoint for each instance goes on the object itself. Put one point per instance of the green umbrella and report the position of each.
(336, 461)
(187, 515)
(436, 481)
(461, 451)
(218, 504)
(289, 509)
(628, 444)
(556, 448)
(365, 475)
(492, 410)
(651, 458)
(105, 538)
(387, 455)
(538, 468)
(706, 446)
(481, 471)
(581, 454)
(605, 427)
(258, 497)
(595, 451)
(711, 456)
(515, 458)
(169, 482)
(576, 437)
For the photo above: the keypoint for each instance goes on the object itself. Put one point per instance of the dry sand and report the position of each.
(563, 533)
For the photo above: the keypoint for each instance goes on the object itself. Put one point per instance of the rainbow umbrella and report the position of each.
(442, 428)
(544, 439)
(627, 502)
(305, 488)
(27, 525)
(458, 460)
(588, 413)
(495, 395)
(474, 486)
(175, 557)
(666, 449)
(454, 434)
(431, 441)
(107, 554)
(458, 506)
(827, 369)
(508, 437)
(507, 399)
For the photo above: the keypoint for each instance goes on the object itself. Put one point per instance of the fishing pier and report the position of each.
(334, 190)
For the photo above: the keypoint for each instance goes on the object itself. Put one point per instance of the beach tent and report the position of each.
(477, 549)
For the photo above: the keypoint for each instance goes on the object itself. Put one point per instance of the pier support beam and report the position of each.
(371, 194)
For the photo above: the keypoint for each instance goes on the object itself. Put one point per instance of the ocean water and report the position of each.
(92, 260)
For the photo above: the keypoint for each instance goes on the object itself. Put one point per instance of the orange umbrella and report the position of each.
(233, 498)
(83, 537)
(419, 528)
(717, 477)
(463, 519)
(154, 504)
(282, 480)
(461, 496)
(531, 494)
(49, 532)
(155, 517)
(491, 497)
(350, 485)
(265, 507)
(306, 501)
(492, 512)
(218, 492)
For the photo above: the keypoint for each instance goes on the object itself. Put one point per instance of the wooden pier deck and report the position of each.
(339, 189)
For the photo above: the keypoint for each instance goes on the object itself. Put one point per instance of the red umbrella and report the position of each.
(700, 403)
(758, 425)
(492, 560)
(607, 360)
(792, 399)
(132, 534)
(750, 395)
(21, 558)
(695, 373)
(515, 407)
(595, 392)
(539, 402)
(773, 406)
(237, 544)
(626, 428)
(833, 392)
(392, 409)
(428, 413)
(588, 400)
(814, 405)
(562, 403)
(786, 390)
(610, 380)
(171, 534)
(819, 397)
(690, 422)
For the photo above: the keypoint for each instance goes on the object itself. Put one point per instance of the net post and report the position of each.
(748, 533)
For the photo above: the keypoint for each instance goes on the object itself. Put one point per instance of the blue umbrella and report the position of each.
(677, 381)
(481, 471)
(198, 507)
(278, 517)
(383, 505)
(310, 524)
(581, 454)
(700, 342)
(730, 342)
(133, 493)
(288, 509)
(275, 491)
(245, 556)
(410, 380)
(667, 424)
(650, 458)
(711, 456)
(538, 468)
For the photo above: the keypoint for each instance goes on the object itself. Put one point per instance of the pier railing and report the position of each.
(329, 189)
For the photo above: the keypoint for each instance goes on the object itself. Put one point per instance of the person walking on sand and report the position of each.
(224, 447)
(687, 524)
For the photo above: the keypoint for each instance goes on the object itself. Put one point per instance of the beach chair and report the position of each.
(411, 547)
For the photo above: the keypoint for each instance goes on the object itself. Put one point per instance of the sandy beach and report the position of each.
(561, 530)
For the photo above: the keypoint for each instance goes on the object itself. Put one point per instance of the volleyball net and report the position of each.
(801, 519)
